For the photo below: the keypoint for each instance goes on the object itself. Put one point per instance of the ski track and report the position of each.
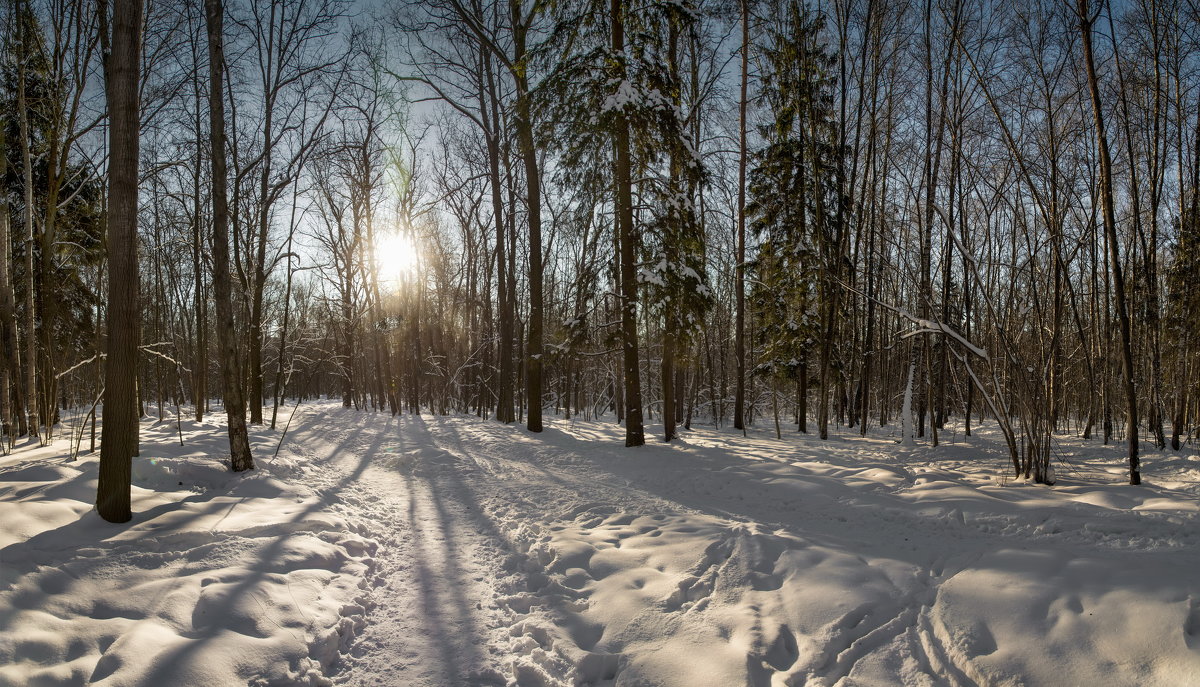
(501, 555)
(430, 622)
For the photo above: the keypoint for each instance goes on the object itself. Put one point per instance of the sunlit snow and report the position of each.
(424, 550)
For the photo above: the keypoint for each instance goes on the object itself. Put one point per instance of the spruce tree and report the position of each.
(675, 278)
(792, 184)
(611, 95)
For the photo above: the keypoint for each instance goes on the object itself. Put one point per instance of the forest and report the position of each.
(771, 212)
(812, 221)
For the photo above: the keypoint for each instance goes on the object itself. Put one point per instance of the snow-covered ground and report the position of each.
(452, 551)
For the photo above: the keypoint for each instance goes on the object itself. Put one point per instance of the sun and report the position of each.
(396, 258)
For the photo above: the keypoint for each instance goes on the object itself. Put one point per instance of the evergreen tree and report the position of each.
(1183, 309)
(68, 270)
(614, 95)
(675, 277)
(792, 185)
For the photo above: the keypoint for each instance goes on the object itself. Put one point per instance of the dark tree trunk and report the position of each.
(119, 435)
(739, 401)
(10, 379)
(489, 114)
(31, 378)
(200, 359)
(634, 434)
(1110, 230)
(533, 191)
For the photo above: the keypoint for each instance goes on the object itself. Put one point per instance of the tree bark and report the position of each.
(739, 401)
(490, 115)
(119, 435)
(10, 384)
(634, 431)
(533, 194)
(200, 359)
(235, 407)
(31, 378)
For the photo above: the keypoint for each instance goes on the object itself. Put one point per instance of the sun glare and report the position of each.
(396, 257)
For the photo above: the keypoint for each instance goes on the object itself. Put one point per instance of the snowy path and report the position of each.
(437, 563)
(566, 559)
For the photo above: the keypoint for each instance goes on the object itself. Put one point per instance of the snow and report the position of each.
(628, 96)
(220, 578)
(654, 275)
(934, 327)
(456, 551)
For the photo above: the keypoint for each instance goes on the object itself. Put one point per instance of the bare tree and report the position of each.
(1086, 19)
(231, 392)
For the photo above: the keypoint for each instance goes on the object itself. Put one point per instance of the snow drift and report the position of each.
(220, 579)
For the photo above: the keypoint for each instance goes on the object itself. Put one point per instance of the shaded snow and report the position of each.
(453, 551)
(219, 579)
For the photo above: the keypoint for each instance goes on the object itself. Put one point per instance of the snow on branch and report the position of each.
(167, 358)
(79, 364)
(148, 348)
(924, 326)
(935, 327)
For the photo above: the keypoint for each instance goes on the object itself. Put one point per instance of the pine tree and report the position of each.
(611, 94)
(78, 247)
(675, 277)
(792, 184)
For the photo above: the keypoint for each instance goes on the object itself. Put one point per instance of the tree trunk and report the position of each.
(277, 393)
(906, 412)
(200, 359)
(31, 378)
(119, 436)
(533, 191)
(634, 434)
(235, 407)
(1110, 230)
(490, 114)
(802, 398)
(10, 385)
(739, 402)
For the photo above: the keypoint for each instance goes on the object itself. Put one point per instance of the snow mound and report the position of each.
(220, 579)
(693, 600)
